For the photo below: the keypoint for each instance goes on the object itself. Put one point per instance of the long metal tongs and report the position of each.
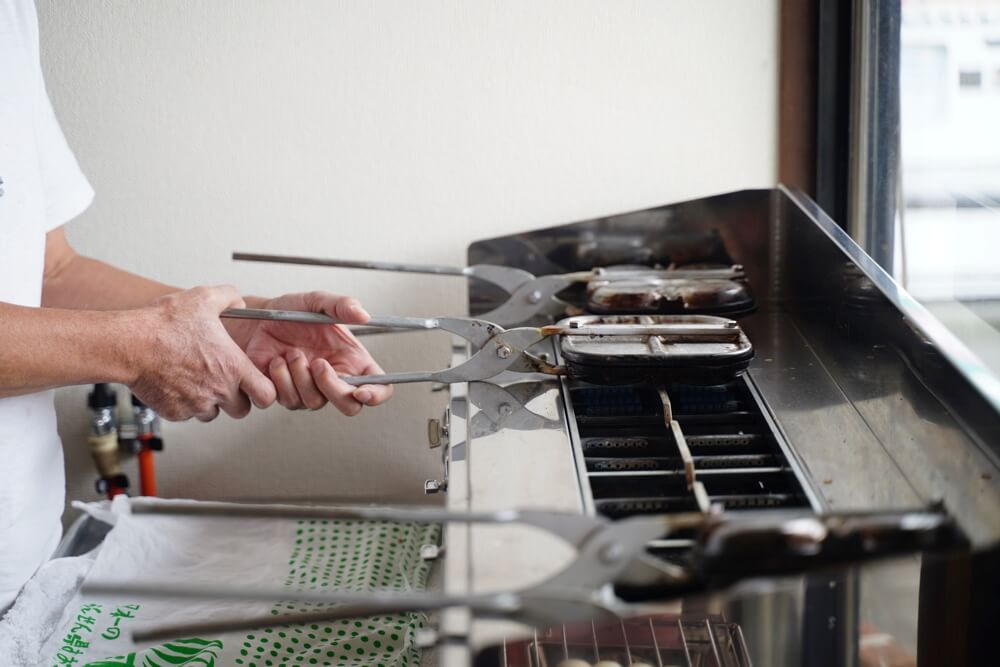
(498, 349)
(527, 295)
(728, 548)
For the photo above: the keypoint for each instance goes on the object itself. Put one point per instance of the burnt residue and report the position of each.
(670, 296)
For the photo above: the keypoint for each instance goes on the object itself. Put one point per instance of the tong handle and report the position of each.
(477, 332)
(304, 317)
(399, 267)
(403, 377)
(504, 277)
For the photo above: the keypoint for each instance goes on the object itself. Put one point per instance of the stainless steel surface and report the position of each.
(914, 402)
(851, 468)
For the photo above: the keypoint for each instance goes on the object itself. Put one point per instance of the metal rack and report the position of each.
(663, 640)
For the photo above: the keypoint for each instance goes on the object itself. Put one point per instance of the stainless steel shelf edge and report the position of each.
(963, 360)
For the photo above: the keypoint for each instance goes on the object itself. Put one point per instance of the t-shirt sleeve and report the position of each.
(65, 189)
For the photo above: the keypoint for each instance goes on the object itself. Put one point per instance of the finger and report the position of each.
(336, 390)
(373, 394)
(208, 415)
(311, 397)
(288, 397)
(236, 406)
(257, 387)
(347, 309)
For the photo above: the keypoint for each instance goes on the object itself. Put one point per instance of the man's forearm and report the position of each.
(82, 283)
(42, 348)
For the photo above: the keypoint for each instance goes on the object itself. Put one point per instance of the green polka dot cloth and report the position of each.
(307, 555)
(348, 556)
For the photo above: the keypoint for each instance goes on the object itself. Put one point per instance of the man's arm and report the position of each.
(99, 323)
(175, 354)
(44, 348)
(82, 283)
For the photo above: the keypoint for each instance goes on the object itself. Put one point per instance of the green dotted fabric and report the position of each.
(348, 556)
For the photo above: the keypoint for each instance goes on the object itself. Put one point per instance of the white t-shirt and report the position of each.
(42, 188)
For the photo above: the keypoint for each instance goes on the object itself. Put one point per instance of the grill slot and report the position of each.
(721, 483)
(704, 464)
(625, 446)
(634, 466)
(619, 508)
(724, 422)
(631, 464)
(711, 399)
(615, 402)
(749, 501)
(721, 440)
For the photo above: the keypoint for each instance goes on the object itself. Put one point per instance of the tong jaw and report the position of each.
(499, 350)
(614, 552)
(532, 298)
(505, 407)
(507, 278)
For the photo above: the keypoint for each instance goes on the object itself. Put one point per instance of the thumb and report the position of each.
(258, 388)
(347, 309)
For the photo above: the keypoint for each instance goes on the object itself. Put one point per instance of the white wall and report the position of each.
(391, 130)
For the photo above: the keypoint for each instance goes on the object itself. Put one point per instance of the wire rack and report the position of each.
(666, 640)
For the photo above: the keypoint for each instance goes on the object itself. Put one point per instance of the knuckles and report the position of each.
(315, 402)
(351, 409)
(240, 412)
(288, 403)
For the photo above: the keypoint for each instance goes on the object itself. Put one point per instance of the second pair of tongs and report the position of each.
(499, 349)
(528, 295)
(728, 547)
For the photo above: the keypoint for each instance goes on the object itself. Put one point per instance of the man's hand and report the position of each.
(176, 354)
(186, 364)
(304, 360)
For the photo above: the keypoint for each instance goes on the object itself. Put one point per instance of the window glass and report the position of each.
(949, 227)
